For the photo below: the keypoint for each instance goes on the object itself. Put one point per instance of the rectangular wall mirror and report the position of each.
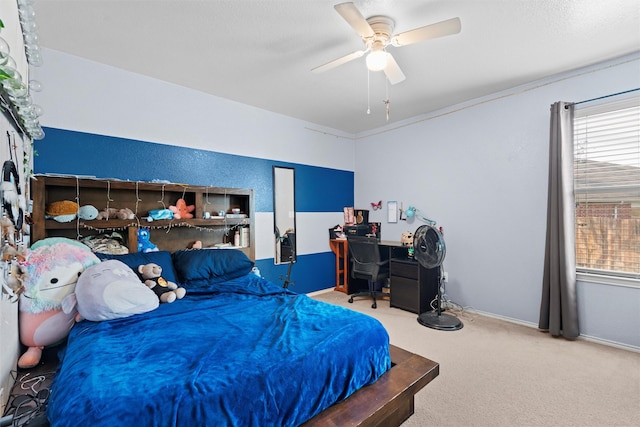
(284, 214)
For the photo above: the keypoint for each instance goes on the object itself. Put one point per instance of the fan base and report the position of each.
(442, 321)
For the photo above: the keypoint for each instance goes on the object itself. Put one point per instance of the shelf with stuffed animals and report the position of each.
(135, 216)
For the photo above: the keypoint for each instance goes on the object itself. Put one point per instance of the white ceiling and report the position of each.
(260, 52)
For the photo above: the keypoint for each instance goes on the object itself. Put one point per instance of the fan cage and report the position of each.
(429, 246)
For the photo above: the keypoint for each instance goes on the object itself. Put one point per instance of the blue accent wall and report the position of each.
(318, 189)
(309, 273)
(77, 153)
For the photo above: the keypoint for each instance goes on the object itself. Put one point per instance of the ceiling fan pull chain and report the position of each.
(387, 103)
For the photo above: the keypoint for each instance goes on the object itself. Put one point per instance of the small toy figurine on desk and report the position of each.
(407, 238)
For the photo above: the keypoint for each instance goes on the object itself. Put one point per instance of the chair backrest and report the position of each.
(365, 256)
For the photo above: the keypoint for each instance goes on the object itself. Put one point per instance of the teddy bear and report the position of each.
(109, 213)
(181, 210)
(166, 291)
(144, 244)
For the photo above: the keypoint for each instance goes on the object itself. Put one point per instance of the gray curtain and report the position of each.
(558, 308)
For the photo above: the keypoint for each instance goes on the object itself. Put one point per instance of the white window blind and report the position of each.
(607, 188)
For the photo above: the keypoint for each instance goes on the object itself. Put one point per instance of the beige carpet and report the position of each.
(497, 373)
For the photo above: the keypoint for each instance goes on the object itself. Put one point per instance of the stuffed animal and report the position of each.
(113, 213)
(181, 210)
(112, 290)
(87, 212)
(62, 210)
(195, 245)
(165, 290)
(160, 214)
(47, 309)
(144, 244)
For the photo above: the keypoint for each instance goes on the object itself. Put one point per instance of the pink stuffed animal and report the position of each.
(47, 308)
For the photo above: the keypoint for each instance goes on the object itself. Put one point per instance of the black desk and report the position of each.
(413, 287)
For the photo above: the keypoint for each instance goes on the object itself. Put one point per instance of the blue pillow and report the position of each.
(198, 268)
(135, 259)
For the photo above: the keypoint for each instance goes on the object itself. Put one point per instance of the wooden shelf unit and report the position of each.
(141, 197)
(340, 248)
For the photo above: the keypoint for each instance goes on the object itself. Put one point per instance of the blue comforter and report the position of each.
(248, 353)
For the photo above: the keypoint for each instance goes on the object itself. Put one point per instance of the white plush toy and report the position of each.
(111, 290)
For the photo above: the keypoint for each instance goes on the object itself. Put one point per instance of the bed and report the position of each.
(236, 350)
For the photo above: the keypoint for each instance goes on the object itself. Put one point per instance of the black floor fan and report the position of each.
(429, 250)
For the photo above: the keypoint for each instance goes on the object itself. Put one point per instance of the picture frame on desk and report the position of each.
(392, 211)
(349, 215)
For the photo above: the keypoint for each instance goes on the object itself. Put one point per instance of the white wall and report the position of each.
(480, 170)
(10, 347)
(86, 96)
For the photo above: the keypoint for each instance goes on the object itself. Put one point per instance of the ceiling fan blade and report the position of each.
(439, 29)
(393, 71)
(339, 61)
(352, 15)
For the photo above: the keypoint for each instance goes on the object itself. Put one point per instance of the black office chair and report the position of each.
(366, 263)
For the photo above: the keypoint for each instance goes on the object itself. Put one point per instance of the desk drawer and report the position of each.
(405, 294)
(408, 269)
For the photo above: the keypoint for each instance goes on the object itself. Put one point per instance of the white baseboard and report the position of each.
(321, 291)
(535, 326)
(520, 322)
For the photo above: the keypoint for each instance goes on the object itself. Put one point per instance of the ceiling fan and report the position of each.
(377, 34)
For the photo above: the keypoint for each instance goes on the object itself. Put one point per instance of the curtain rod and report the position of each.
(604, 97)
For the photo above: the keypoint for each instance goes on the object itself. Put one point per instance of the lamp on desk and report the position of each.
(412, 212)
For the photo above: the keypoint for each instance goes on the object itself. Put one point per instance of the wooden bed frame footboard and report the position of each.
(387, 402)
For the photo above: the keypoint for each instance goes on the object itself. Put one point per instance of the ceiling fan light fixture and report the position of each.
(377, 60)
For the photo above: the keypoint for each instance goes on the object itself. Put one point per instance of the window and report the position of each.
(607, 189)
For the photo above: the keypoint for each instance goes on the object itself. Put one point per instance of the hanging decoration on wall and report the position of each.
(13, 201)
(13, 221)
(376, 206)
